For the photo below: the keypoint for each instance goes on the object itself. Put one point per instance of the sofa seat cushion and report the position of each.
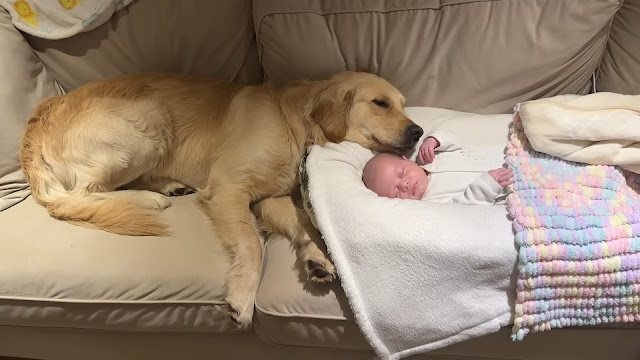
(59, 275)
(293, 311)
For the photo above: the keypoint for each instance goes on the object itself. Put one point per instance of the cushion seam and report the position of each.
(606, 44)
(102, 301)
(135, 331)
(291, 315)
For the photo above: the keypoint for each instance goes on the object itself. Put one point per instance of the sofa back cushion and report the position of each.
(620, 68)
(214, 38)
(24, 82)
(467, 55)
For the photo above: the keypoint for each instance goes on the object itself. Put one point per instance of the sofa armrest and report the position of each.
(25, 82)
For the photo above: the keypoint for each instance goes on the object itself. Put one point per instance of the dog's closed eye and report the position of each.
(381, 103)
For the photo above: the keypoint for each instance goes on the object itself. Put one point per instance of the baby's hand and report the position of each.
(427, 150)
(502, 176)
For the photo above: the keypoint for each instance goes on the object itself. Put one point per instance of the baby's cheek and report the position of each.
(424, 188)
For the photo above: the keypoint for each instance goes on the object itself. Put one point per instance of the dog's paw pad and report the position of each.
(181, 191)
(318, 272)
(176, 188)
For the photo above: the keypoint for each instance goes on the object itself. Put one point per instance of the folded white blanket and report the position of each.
(418, 275)
(58, 19)
(601, 128)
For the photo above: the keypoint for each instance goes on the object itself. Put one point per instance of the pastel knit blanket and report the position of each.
(577, 227)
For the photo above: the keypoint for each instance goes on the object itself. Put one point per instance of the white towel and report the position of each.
(419, 276)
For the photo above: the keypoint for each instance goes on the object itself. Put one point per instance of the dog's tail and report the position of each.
(118, 214)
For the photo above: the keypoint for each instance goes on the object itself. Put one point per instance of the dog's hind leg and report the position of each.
(145, 199)
(280, 216)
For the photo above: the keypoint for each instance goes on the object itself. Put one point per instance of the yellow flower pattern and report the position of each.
(69, 4)
(26, 13)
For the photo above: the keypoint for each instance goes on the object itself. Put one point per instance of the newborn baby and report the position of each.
(454, 176)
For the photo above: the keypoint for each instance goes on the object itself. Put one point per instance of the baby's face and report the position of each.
(395, 177)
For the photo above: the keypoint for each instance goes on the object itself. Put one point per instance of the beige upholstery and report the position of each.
(82, 344)
(291, 311)
(70, 293)
(468, 55)
(23, 83)
(619, 69)
(60, 275)
(159, 35)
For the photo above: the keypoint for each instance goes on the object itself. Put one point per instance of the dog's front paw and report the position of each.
(241, 310)
(320, 270)
(317, 264)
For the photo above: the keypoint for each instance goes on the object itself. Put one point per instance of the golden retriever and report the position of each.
(108, 154)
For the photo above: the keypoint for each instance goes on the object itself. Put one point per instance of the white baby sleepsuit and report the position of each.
(460, 176)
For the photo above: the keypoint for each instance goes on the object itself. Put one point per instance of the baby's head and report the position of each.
(393, 176)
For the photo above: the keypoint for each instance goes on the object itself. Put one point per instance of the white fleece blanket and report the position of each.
(418, 275)
(601, 128)
(59, 19)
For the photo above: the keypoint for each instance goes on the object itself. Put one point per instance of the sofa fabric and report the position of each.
(60, 275)
(618, 71)
(467, 55)
(82, 344)
(24, 82)
(214, 38)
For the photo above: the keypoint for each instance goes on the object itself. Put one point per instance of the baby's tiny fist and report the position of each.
(502, 176)
(427, 150)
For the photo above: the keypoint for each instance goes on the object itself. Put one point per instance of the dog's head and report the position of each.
(366, 109)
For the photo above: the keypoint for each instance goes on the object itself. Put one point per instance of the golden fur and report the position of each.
(153, 135)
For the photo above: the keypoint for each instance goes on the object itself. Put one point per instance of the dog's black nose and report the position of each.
(414, 132)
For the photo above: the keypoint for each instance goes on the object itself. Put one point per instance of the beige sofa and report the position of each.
(68, 292)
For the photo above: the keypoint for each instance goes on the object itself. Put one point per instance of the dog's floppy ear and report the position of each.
(330, 111)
